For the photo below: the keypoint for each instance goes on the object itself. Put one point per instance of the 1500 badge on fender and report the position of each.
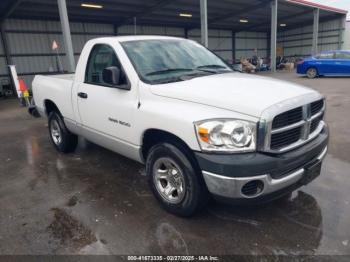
(119, 122)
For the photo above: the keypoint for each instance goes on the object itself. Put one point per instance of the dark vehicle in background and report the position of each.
(330, 63)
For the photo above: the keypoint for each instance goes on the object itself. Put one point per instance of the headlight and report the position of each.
(226, 135)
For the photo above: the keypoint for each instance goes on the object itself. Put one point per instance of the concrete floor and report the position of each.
(97, 202)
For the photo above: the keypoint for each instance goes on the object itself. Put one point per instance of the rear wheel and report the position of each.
(174, 180)
(63, 140)
(311, 73)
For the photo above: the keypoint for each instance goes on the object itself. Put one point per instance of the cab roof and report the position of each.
(141, 37)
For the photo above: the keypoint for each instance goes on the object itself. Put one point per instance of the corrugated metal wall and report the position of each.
(219, 41)
(30, 43)
(248, 44)
(298, 42)
(151, 30)
(347, 36)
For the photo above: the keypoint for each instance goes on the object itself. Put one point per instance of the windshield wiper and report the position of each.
(167, 80)
(169, 70)
(198, 73)
(212, 66)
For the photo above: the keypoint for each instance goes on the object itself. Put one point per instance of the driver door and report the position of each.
(106, 111)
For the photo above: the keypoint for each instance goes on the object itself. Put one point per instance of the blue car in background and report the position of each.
(330, 63)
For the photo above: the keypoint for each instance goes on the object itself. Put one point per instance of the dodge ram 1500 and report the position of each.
(200, 128)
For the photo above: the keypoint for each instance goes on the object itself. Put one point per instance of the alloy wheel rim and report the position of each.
(56, 132)
(312, 72)
(169, 180)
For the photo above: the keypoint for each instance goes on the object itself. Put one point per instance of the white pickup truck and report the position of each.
(200, 128)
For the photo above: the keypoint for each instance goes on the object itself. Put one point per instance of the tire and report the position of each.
(311, 73)
(167, 166)
(63, 140)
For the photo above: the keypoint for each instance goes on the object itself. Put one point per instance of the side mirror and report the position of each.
(111, 75)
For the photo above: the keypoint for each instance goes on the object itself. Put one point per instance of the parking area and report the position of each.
(97, 202)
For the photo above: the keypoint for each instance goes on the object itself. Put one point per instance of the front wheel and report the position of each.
(63, 140)
(174, 180)
(311, 73)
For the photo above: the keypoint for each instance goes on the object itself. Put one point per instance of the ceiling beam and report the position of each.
(46, 11)
(281, 19)
(145, 11)
(72, 16)
(104, 16)
(88, 19)
(9, 10)
(245, 10)
(116, 5)
(310, 22)
(118, 13)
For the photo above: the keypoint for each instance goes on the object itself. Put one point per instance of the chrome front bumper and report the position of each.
(231, 187)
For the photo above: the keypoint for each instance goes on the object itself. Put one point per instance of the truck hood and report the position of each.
(246, 94)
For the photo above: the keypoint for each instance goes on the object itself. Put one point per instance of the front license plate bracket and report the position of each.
(311, 172)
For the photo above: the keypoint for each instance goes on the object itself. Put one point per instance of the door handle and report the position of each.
(83, 95)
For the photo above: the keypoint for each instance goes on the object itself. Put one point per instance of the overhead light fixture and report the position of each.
(185, 15)
(283, 25)
(91, 6)
(243, 20)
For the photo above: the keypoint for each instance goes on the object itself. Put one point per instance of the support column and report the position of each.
(342, 25)
(268, 43)
(115, 29)
(8, 57)
(67, 38)
(186, 33)
(233, 36)
(273, 47)
(314, 50)
(204, 22)
(5, 45)
(135, 26)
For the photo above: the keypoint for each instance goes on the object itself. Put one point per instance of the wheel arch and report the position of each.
(50, 106)
(155, 136)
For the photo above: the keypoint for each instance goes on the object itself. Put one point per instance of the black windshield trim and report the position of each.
(169, 70)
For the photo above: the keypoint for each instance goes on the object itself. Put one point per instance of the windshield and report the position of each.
(164, 61)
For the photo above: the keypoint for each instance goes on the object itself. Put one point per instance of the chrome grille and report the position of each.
(288, 118)
(291, 128)
(285, 138)
(316, 106)
(315, 123)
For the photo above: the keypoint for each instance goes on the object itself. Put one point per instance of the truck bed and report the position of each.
(55, 88)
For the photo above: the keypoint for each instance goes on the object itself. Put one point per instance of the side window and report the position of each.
(342, 55)
(325, 56)
(102, 56)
